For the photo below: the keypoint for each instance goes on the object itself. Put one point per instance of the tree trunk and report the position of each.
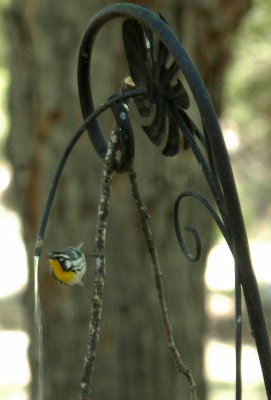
(133, 360)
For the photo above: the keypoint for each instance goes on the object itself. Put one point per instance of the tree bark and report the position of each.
(133, 360)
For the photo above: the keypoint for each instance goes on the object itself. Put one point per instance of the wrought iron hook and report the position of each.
(208, 206)
(228, 201)
(154, 90)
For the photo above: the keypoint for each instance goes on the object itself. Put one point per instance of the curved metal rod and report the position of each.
(115, 103)
(125, 136)
(209, 172)
(218, 150)
(196, 257)
(209, 207)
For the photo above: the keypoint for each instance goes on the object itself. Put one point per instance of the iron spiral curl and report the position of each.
(170, 102)
(159, 92)
(195, 257)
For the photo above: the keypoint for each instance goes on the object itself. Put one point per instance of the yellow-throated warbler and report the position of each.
(68, 266)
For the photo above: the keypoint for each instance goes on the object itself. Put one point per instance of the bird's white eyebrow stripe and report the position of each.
(63, 255)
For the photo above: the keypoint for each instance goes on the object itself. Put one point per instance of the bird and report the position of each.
(68, 266)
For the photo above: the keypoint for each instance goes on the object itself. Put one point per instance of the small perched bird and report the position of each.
(68, 266)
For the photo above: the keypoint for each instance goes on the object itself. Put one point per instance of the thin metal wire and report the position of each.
(238, 336)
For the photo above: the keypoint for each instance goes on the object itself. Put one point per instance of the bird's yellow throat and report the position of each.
(59, 274)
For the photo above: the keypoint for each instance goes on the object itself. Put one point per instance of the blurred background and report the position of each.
(39, 111)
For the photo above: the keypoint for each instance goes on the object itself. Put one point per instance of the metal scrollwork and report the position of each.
(170, 101)
(158, 93)
(191, 229)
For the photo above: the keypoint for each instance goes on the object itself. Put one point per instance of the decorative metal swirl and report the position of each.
(170, 101)
(156, 77)
(159, 94)
(191, 229)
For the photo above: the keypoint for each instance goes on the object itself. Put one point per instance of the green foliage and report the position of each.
(247, 109)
